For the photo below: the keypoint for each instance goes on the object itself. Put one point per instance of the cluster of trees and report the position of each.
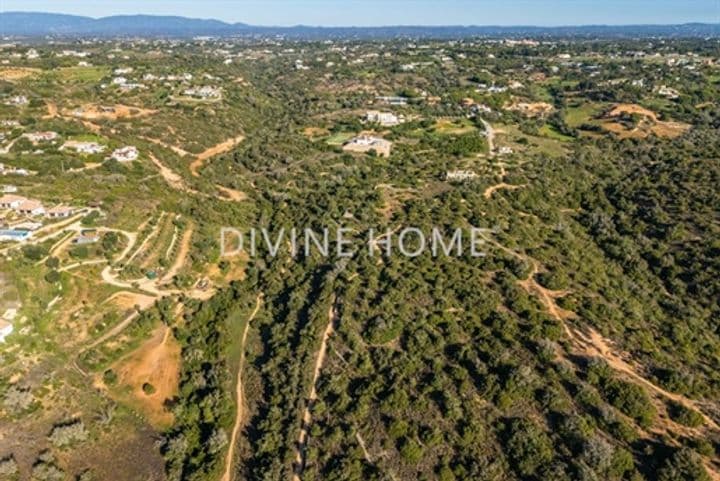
(193, 448)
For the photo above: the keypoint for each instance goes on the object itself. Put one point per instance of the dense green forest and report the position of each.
(450, 368)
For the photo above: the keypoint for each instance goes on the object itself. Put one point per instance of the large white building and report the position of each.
(386, 119)
(125, 154)
(366, 143)
(31, 207)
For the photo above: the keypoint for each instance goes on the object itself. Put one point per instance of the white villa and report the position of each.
(206, 92)
(386, 119)
(392, 100)
(11, 201)
(31, 207)
(60, 212)
(505, 150)
(668, 92)
(41, 136)
(125, 154)
(84, 147)
(366, 143)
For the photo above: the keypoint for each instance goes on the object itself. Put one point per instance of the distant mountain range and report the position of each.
(31, 24)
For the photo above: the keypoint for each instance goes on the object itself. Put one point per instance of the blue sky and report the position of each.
(396, 12)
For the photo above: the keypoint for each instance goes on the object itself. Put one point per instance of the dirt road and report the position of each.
(300, 453)
(490, 136)
(171, 177)
(218, 149)
(239, 395)
(502, 185)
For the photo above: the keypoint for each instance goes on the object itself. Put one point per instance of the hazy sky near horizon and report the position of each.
(396, 12)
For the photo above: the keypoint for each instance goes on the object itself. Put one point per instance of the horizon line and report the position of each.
(578, 25)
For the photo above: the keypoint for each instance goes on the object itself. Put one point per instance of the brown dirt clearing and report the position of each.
(113, 112)
(232, 194)
(157, 362)
(18, 73)
(129, 300)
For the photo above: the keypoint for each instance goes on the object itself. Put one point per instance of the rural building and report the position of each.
(668, 92)
(11, 201)
(60, 212)
(386, 119)
(30, 207)
(393, 100)
(205, 92)
(7, 189)
(505, 150)
(86, 237)
(125, 154)
(41, 136)
(366, 143)
(84, 147)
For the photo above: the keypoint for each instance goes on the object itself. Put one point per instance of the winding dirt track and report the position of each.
(240, 411)
(218, 149)
(593, 344)
(300, 453)
(502, 185)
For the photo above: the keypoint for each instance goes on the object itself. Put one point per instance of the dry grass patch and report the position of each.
(18, 73)
(232, 194)
(108, 112)
(531, 109)
(315, 132)
(152, 373)
(126, 301)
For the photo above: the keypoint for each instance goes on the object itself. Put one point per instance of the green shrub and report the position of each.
(110, 377)
(34, 252)
(685, 415)
(528, 447)
(683, 465)
(632, 400)
(52, 277)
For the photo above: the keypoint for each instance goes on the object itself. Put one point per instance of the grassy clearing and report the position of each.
(582, 114)
(88, 138)
(454, 126)
(544, 145)
(550, 132)
(339, 138)
(82, 74)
